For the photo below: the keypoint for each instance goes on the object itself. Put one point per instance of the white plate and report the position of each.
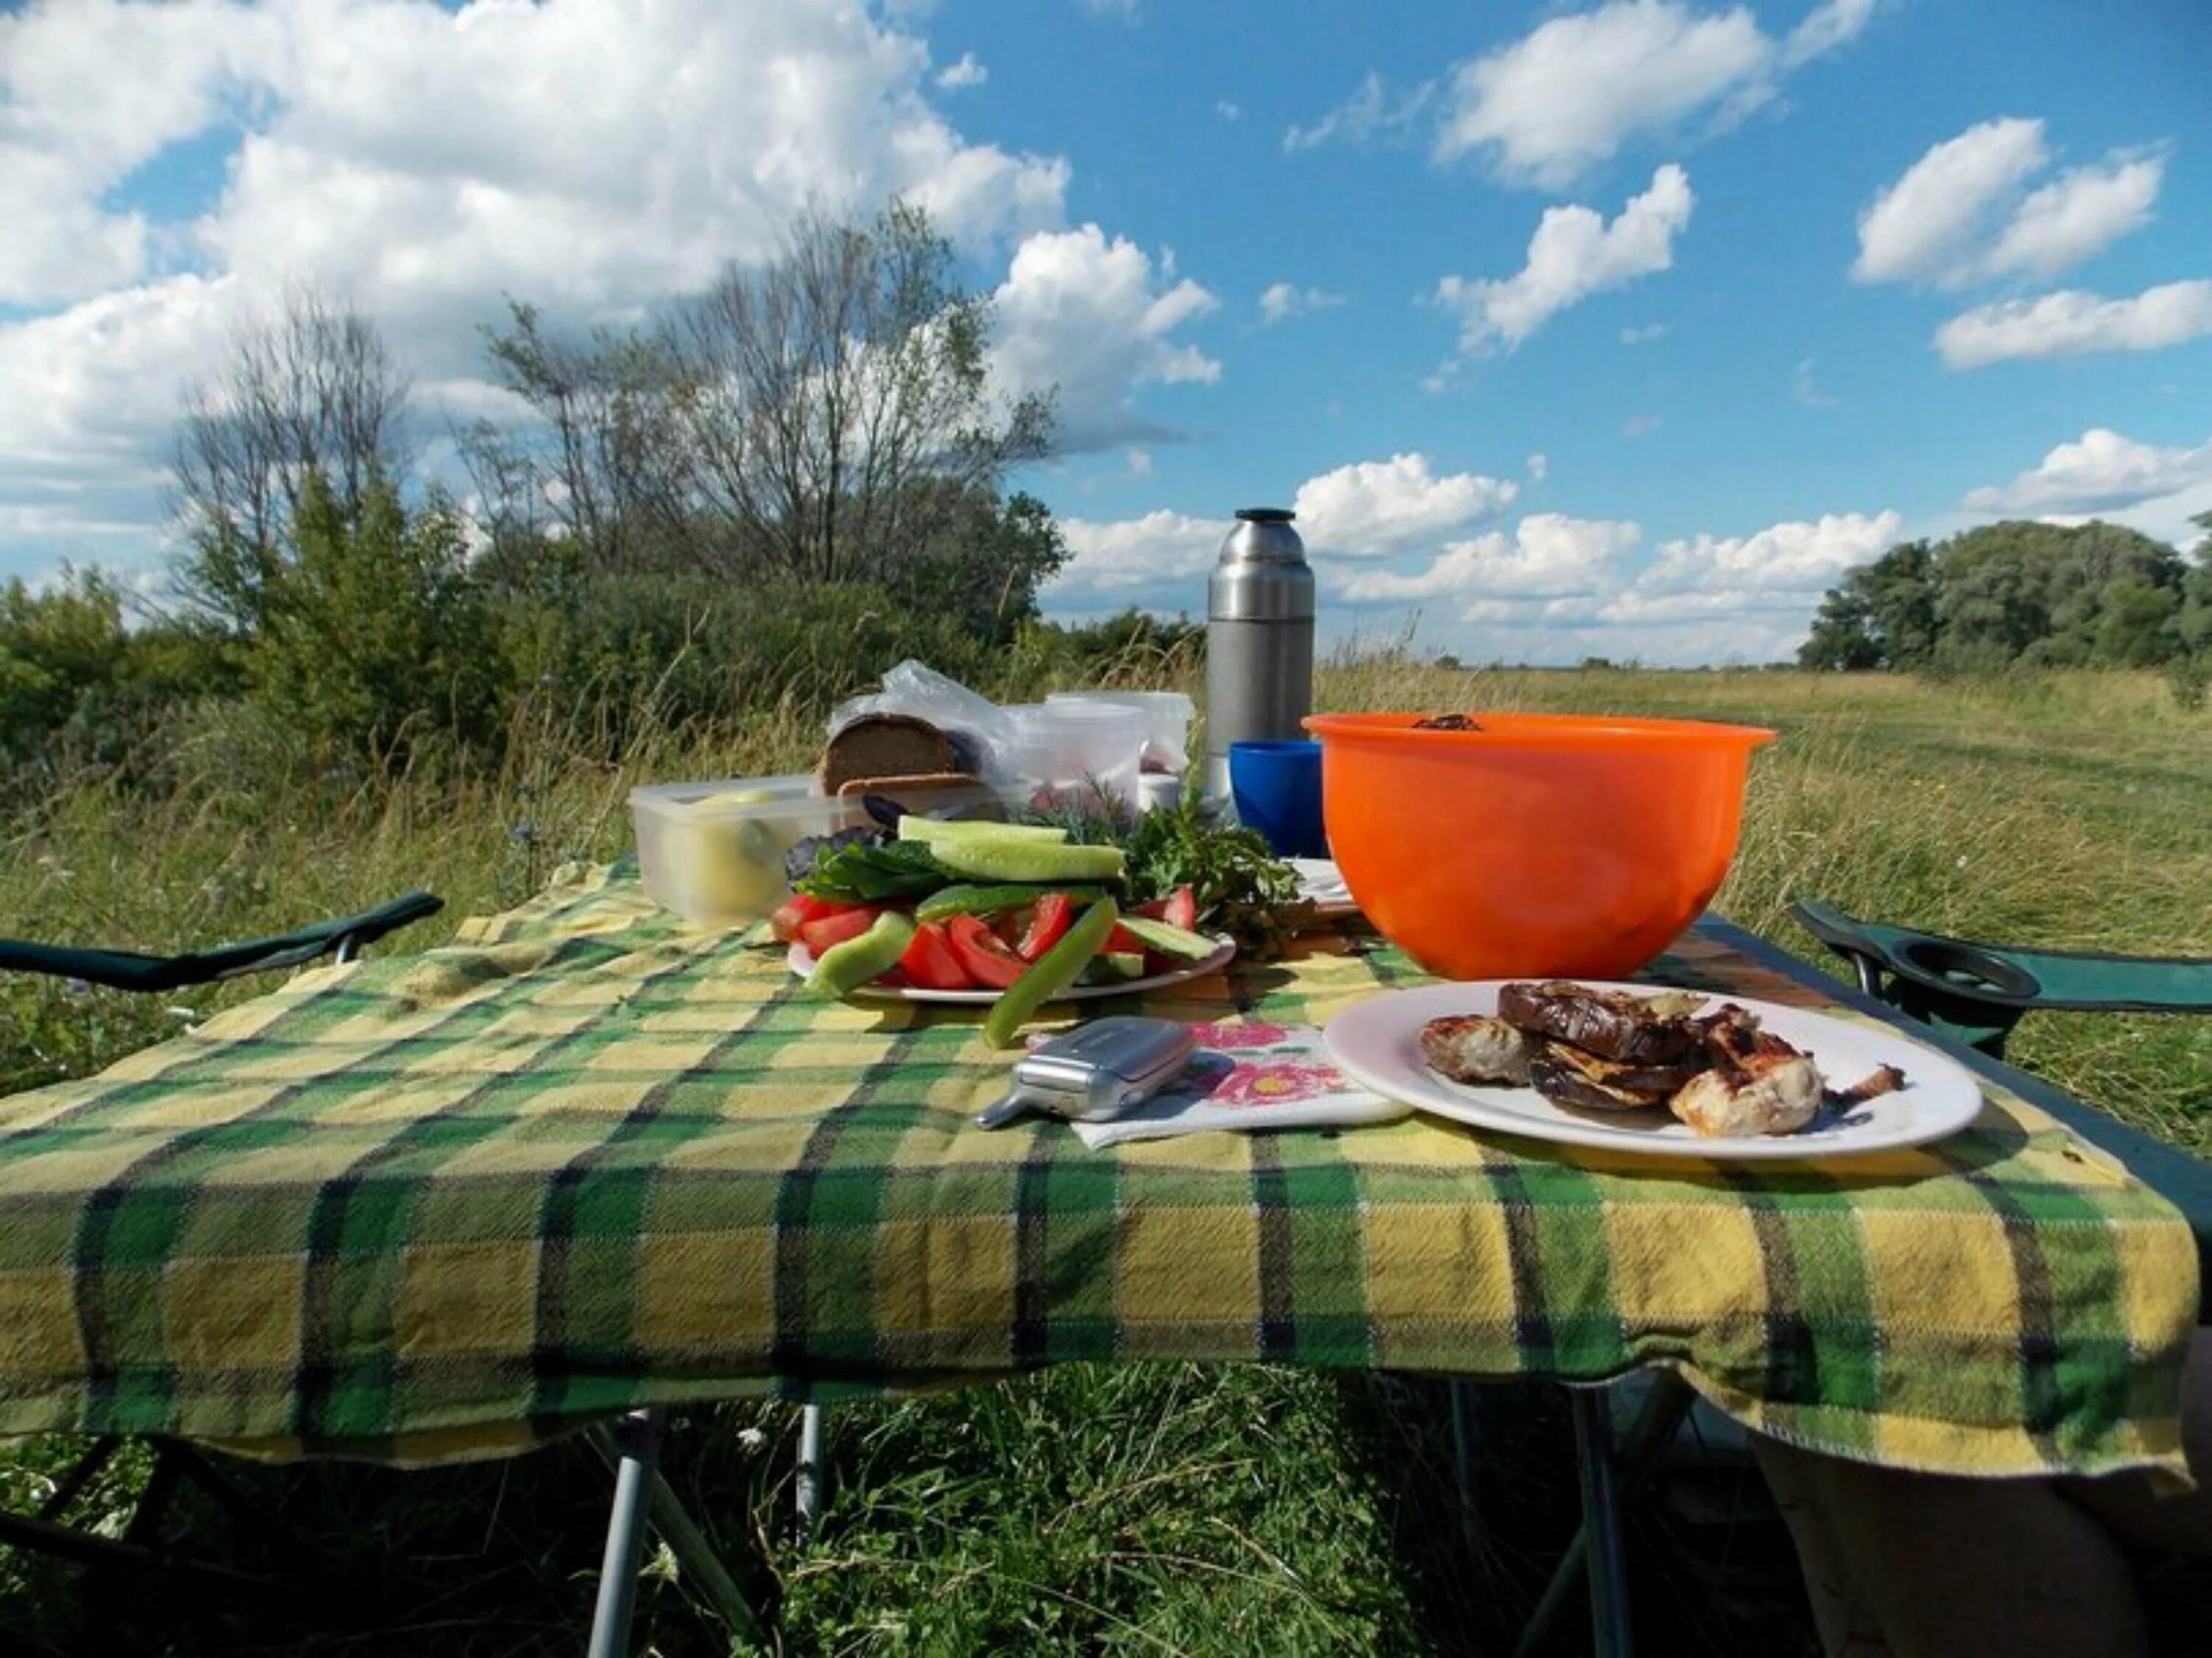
(1322, 885)
(802, 963)
(1378, 1042)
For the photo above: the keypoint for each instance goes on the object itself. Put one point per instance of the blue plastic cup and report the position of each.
(1276, 788)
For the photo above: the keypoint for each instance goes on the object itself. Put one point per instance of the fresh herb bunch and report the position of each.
(865, 872)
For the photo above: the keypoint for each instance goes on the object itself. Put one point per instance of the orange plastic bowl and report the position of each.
(1537, 845)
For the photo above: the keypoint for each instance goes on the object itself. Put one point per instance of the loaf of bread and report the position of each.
(884, 746)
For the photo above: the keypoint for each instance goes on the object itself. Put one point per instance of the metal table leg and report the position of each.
(1661, 1413)
(806, 1482)
(1466, 1434)
(631, 1448)
(636, 1441)
(1610, 1635)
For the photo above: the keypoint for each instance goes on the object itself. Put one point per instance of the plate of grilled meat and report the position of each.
(1645, 1068)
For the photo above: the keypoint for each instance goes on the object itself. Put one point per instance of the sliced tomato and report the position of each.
(989, 960)
(1182, 909)
(788, 922)
(1179, 908)
(818, 936)
(1054, 915)
(931, 963)
(1121, 941)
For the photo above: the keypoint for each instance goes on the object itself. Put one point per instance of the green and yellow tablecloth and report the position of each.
(585, 1159)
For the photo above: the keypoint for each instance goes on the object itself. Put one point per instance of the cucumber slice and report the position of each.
(1170, 940)
(1116, 969)
(934, 830)
(855, 962)
(1051, 974)
(971, 900)
(1032, 861)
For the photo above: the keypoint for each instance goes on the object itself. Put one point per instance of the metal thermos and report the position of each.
(1258, 640)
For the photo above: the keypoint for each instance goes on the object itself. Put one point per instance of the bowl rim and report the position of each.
(1508, 729)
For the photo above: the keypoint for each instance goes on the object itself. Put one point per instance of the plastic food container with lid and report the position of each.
(713, 852)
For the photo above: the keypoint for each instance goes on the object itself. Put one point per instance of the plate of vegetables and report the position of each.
(1011, 916)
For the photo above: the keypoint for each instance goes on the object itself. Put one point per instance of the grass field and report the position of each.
(1153, 1510)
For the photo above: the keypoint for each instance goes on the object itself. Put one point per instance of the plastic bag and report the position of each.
(981, 735)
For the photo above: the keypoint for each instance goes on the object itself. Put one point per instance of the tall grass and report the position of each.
(1170, 1510)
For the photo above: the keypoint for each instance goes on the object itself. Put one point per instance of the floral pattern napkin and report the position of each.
(1250, 1076)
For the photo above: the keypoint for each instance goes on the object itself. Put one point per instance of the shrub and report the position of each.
(376, 640)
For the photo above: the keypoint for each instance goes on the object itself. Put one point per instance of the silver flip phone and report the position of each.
(1096, 1071)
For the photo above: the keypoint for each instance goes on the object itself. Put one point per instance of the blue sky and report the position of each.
(1617, 329)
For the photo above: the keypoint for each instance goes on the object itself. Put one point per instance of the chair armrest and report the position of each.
(125, 970)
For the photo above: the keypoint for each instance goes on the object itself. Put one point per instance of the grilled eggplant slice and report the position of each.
(1571, 1076)
(1610, 1024)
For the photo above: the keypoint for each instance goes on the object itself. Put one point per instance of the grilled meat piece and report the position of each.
(1568, 1076)
(1772, 1094)
(1610, 1024)
(1884, 1080)
(1475, 1048)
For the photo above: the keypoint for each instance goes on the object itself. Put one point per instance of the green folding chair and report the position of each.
(130, 969)
(1977, 992)
(176, 1464)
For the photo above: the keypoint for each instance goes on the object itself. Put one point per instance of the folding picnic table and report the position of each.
(584, 1165)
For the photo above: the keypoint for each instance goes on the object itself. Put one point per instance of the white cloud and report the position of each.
(1642, 333)
(2077, 216)
(1573, 254)
(1375, 508)
(1228, 109)
(590, 156)
(967, 72)
(1804, 390)
(1369, 110)
(1540, 467)
(1127, 557)
(1963, 213)
(2072, 321)
(1571, 92)
(1824, 27)
(89, 92)
(1547, 553)
(1793, 557)
(1283, 300)
(2104, 471)
(1086, 314)
(1926, 224)
(1637, 426)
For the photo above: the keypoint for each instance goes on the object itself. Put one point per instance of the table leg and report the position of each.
(636, 1454)
(1610, 1634)
(694, 1554)
(1662, 1413)
(807, 1480)
(1466, 1434)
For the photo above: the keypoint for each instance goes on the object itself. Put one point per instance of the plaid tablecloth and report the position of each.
(584, 1159)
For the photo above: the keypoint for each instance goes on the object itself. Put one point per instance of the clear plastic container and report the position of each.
(1167, 715)
(1077, 749)
(714, 852)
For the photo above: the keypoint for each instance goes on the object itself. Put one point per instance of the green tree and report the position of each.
(375, 638)
(313, 392)
(980, 562)
(1882, 615)
(2193, 622)
(2087, 595)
